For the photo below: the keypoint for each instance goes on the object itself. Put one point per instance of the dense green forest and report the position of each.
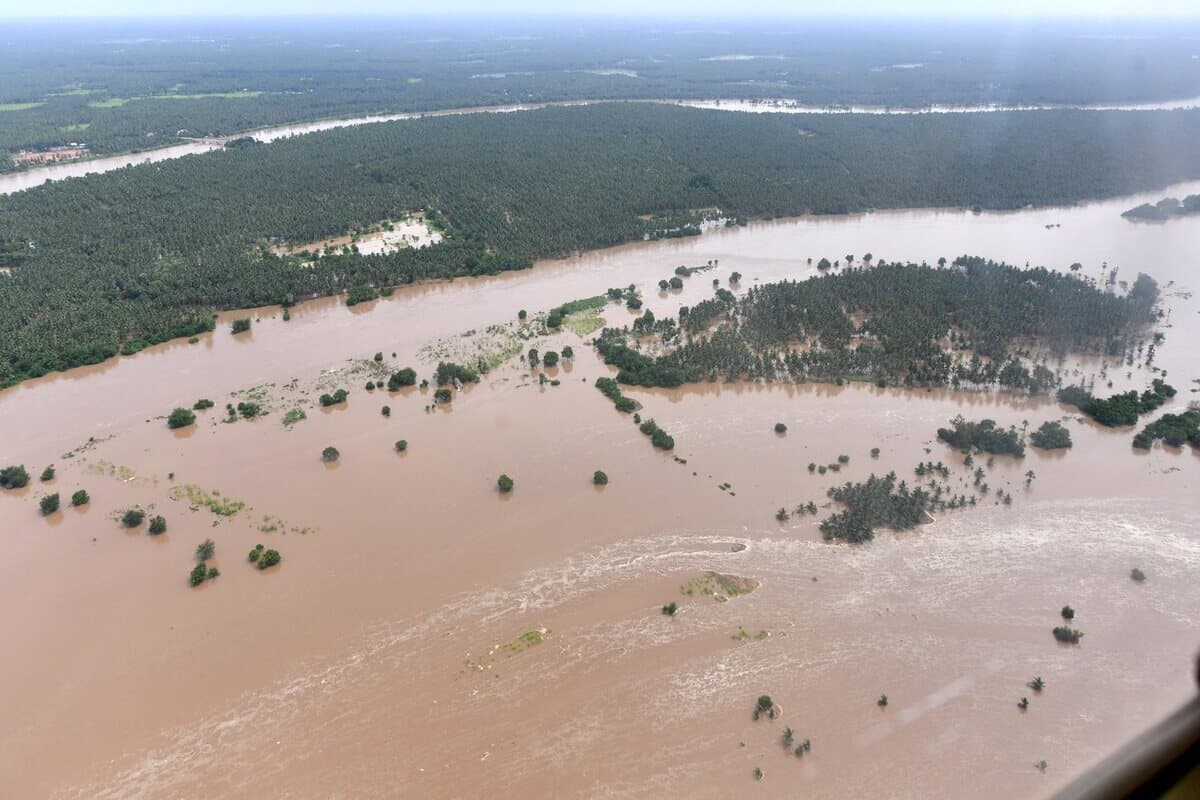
(114, 261)
(896, 324)
(126, 85)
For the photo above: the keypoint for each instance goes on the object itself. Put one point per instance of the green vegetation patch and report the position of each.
(212, 500)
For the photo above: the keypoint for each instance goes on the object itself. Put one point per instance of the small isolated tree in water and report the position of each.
(240, 325)
(670, 608)
(505, 484)
(1137, 575)
(386, 411)
(158, 525)
(49, 504)
(205, 550)
(269, 559)
(1067, 635)
(14, 477)
(780, 427)
(1037, 684)
(882, 701)
(599, 478)
(401, 445)
(181, 418)
(80, 498)
(1068, 613)
(550, 359)
(198, 574)
(568, 351)
(764, 705)
(1023, 703)
(330, 454)
(133, 517)
(48, 474)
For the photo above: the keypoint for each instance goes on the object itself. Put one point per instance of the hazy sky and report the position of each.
(679, 8)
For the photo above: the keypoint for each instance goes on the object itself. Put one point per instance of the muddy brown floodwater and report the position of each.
(426, 636)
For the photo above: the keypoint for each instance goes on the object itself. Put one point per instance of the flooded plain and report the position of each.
(428, 636)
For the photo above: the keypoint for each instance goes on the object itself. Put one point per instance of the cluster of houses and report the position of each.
(68, 152)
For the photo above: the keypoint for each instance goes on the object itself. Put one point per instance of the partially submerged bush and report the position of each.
(670, 609)
(339, 396)
(780, 427)
(442, 395)
(47, 474)
(401, 445)
(330, 454)
(402, 377)
(1067, 635)
(505, 484)
(158, 525)
(1068, 613)
(202, 404)
(133, 517)
(240, 325)
(49, 504)
(205, 550)
(80, 498)
(1137, 575)
(599, 478)
(181, 418)
(269, 558)
(14, 477)
(765, 705)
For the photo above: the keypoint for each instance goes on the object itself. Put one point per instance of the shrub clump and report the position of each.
(133, 517)
(1067, 634)
(240, 325)
(1137, 575)
(1068, 613)
(658, 437)
(780, 427)
(181, 418)
(80, 498)
(202, 404)
(600, 478)
(158, 525)
(401, 445)
(505, 484)
(14, 477)
(337, 397)
(205, 550)
(982, 435)
(765, 705)
(448, 372)
(670, 609)
(49, 504)
(330, 454)
(47, 474)
(402, 377)
(1051, 436)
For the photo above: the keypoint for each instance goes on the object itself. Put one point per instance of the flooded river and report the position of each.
(428, 636)
(27, 179)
